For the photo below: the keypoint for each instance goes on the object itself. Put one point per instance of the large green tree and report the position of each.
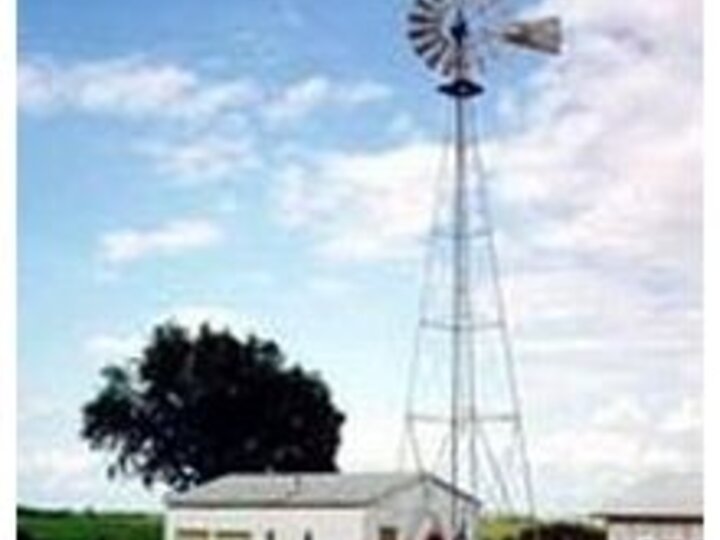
(192, 407)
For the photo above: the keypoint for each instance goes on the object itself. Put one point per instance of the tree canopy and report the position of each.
(193, 407)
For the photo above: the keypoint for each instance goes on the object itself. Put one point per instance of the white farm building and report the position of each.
(668, 507)
(393, 506)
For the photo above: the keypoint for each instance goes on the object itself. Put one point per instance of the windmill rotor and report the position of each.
(427, 34)
(431, 24)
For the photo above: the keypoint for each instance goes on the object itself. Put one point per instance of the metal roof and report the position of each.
(662, 496)
(302, 490)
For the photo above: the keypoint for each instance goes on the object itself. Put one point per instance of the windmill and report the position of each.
(463, 417)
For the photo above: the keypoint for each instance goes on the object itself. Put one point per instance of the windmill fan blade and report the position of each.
(420, 18)
(428, 45)
(544, 35)
(434, 58)
(428, 6)
(422, 48)
(449, 63)
(427, 33)
(423, 33)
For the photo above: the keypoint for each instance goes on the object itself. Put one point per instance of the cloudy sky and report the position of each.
(268, 164)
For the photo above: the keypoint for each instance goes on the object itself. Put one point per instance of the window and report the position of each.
(233, 535)
(388, 533)
(192, 534)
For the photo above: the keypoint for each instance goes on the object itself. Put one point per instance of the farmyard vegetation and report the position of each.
(88, 525)
(68, 525)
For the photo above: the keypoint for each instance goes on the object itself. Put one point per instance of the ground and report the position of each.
(90, 525)
(66, 525)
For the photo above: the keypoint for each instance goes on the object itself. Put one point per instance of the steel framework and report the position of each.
(463, 414)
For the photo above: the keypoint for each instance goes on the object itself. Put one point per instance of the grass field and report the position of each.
(62, 525)
(67, 525)
(500, 528)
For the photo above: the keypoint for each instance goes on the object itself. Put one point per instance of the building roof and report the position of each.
(669, 496)
(303, 490)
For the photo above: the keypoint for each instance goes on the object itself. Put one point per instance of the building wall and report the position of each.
(654, 531)
(414, 512)
(406, 514)
(267, 524)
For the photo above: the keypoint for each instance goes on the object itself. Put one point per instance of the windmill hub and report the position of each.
(459, 30)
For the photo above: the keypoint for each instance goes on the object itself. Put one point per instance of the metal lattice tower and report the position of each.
(463, 418)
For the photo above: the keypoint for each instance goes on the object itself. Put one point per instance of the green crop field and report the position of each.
(62, 525)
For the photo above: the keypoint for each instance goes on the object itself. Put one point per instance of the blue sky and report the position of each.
(267, 165)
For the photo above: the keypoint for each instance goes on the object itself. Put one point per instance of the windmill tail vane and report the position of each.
(542, 35)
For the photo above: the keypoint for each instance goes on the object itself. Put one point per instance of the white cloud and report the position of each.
(674, 23)
(299, 99)
(598, 303)
(202, 159)
(116, 345)
(33, 408)
(599, 179)
(138, 87)
(61, 472)
(106, 348)
(296, 101)
(171, 238)
(623, 413)
(371, 441)
(56, 465)
(611, 140)
(623, 434)
(128, 87)
(328, 286)
(403, 127)
(686, 418)
(37, 88)
(360, 205)
(221, 112)
(624, 441)
(604, 157)
(360, 92)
